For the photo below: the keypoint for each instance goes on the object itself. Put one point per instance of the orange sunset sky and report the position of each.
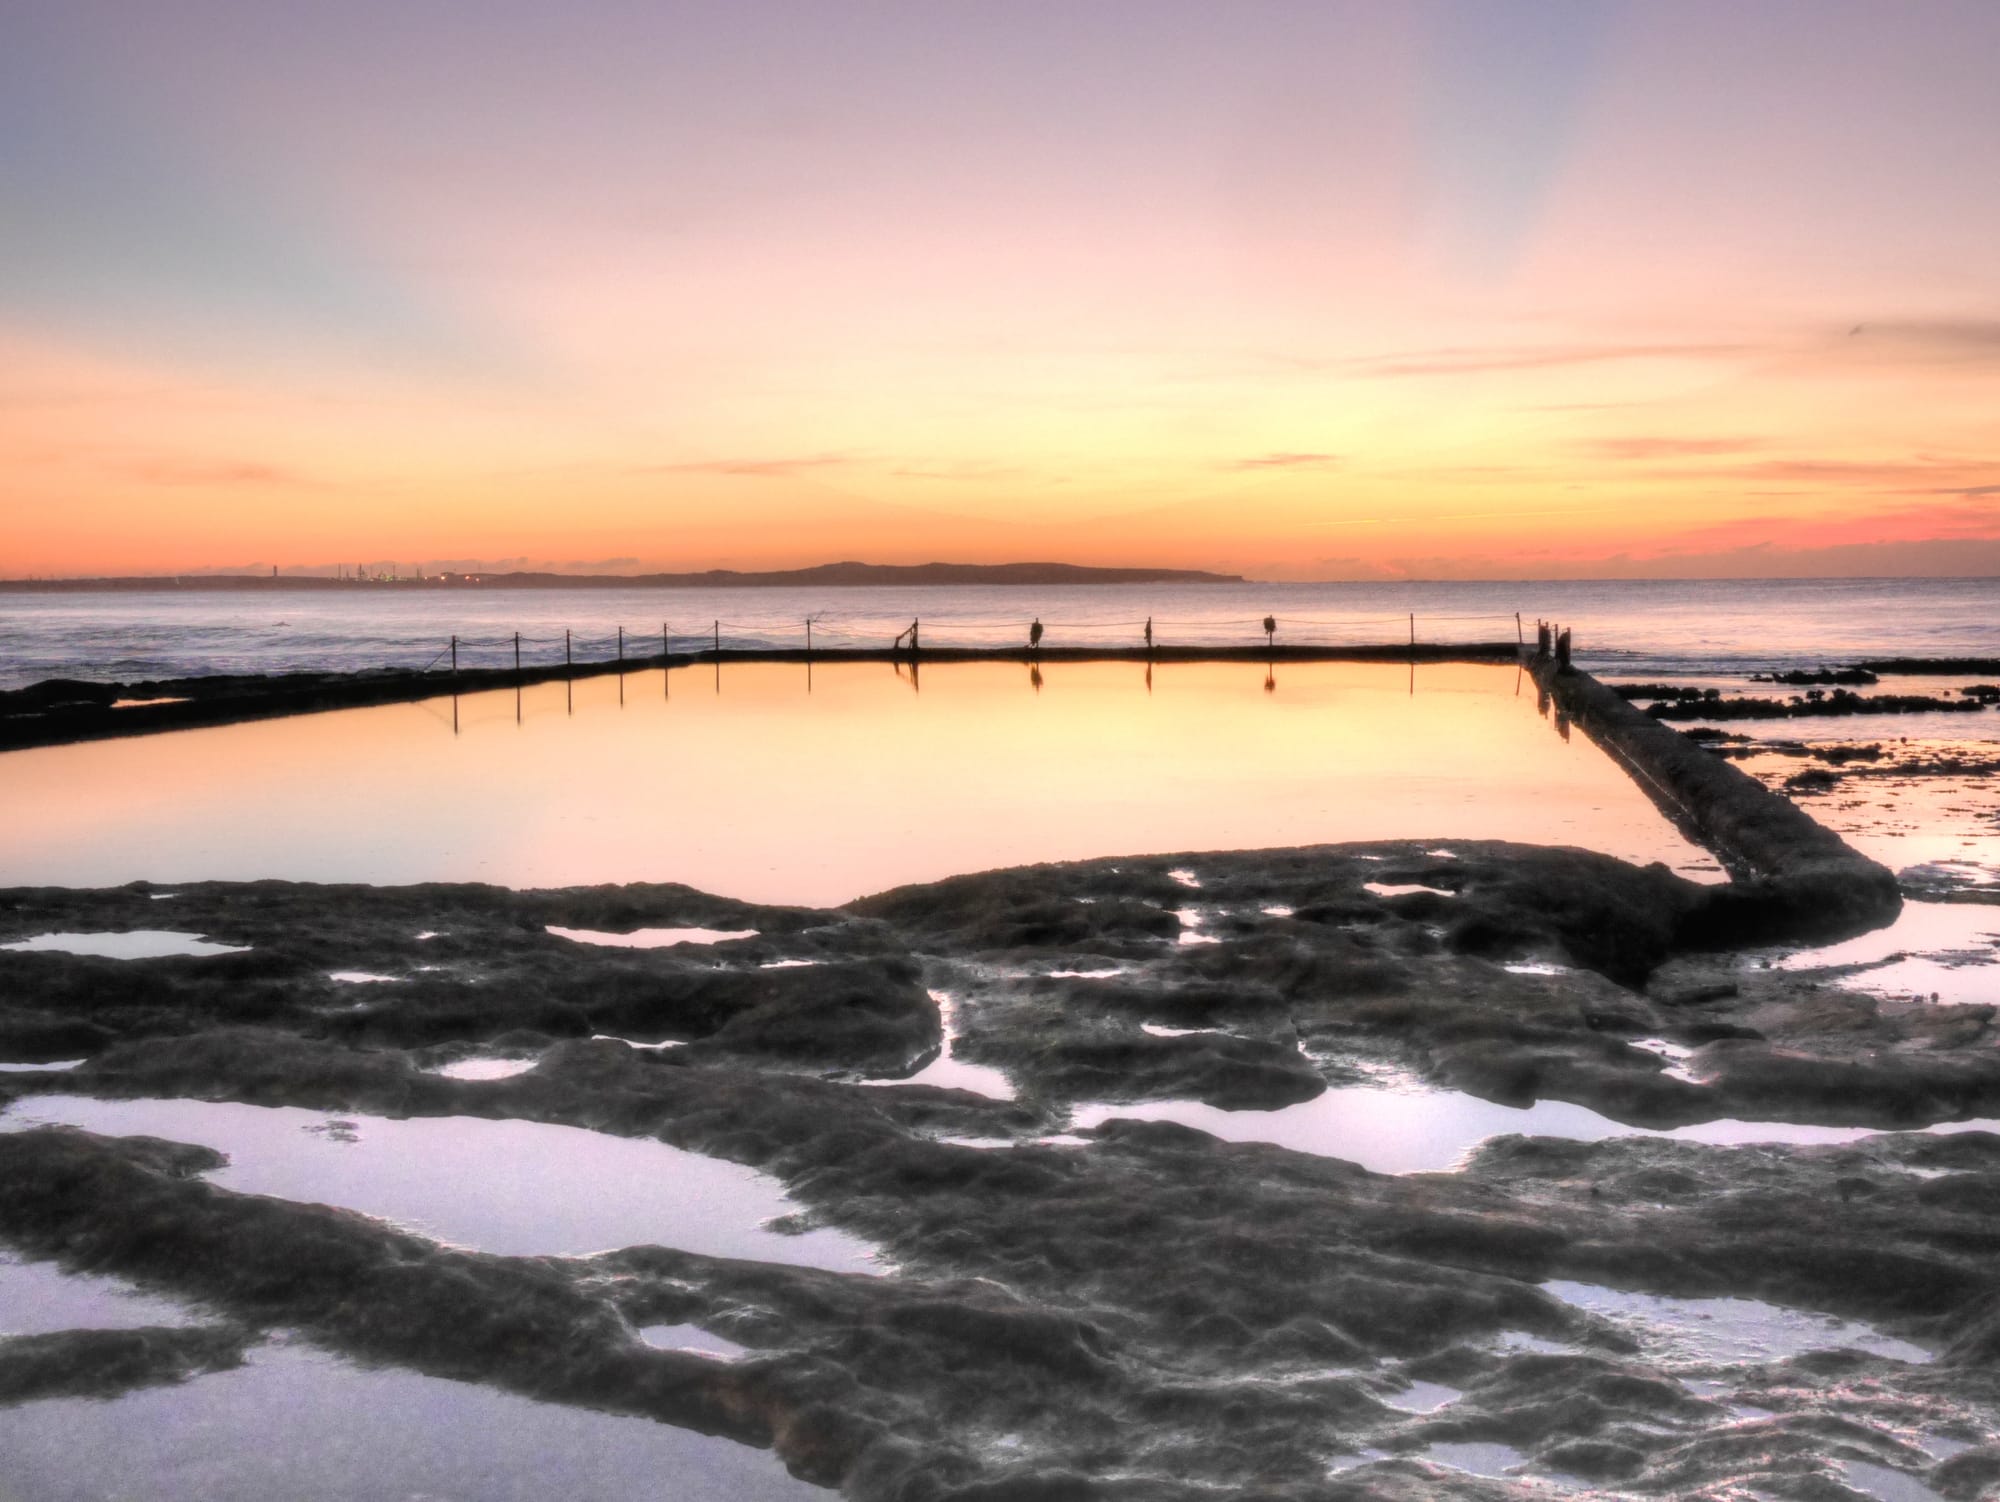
(1471, 288)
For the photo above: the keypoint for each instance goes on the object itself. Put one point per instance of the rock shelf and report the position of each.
(1132, 1309)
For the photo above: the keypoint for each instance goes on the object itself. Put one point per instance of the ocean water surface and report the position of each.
(1640, 626)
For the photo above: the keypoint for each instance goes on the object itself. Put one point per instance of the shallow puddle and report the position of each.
(950, 1072)
(136, 944)
(1416, 1131)
(296, 1423)
(1424, 1397)
(652, 938)
(1950, 950)
(485, 1069)
(1478, 1458)
(517, 1188)
(1729, 1331)
(56, 1064)
(1403, 889)
(39, 1297)
(690, 1338)
(1888, 1486)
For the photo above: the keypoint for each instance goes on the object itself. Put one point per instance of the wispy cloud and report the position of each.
(971, 471)
(1285, 460)
(1477, 360)
(1943, 339)
(214, 474)
(763, 467)
(1915, 476)
(1663, 446)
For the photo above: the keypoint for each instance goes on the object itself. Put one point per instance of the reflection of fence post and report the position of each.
(517, 657)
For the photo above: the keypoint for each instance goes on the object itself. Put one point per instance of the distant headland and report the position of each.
(825, 574)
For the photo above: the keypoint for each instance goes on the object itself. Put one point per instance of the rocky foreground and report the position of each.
(1132, 1310)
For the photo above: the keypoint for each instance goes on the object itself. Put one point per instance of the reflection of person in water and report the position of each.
(1035, 677)
(1035, 634)
(1270, 679)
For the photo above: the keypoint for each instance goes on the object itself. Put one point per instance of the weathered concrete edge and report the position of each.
(1791, 876)
(226, 701)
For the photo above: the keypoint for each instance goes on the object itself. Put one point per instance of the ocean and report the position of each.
(1627, 627)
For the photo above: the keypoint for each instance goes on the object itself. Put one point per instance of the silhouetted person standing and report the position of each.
(1270, 631)
(1035, 635)
(1149, 633)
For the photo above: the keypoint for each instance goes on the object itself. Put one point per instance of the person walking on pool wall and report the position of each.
(1035, 635)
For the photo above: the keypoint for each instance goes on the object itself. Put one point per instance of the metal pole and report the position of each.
(809, 636)
(1413, 628)
(718, 641)
(1520, 634)
(454, 656)
(566, 657)
(621, 643)
(517, 657)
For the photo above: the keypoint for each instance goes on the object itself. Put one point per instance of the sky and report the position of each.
(1448, 288)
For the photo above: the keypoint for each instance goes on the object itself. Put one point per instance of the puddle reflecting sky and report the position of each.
(38, 1297)
(1421, 1131)
(299, 1424)
(765, 791)
(518, 1188)
(134, 944)
(1943, 949)
(1730, 1330)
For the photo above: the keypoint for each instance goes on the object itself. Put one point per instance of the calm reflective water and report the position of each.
(296, 1423)
(1728, 1331)
(516, 1188)
(1650, 626)
(760, 782)
(39, 1297)
(1427, 1131)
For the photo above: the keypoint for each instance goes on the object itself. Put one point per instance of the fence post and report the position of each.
(454, 655)
(517, 657)
(621, 643)
(1520, 636)
(718, 641)
(809, 636)
(1413, 628)
(566, 657)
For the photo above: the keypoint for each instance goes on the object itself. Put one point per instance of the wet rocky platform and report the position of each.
(1054, 1296)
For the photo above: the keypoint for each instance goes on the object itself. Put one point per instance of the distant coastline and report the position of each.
(827, 574)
